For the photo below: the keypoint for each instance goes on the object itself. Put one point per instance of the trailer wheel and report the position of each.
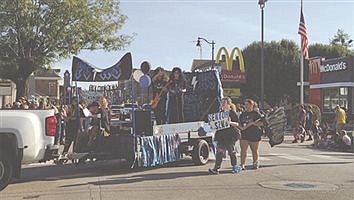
(5, 170)
(200, 152)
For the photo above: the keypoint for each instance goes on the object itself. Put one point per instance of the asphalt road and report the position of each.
(288, 171)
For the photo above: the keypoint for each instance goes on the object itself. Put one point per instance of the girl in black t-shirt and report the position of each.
(226, 139)
(251, 133)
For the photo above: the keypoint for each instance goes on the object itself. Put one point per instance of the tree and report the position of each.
(281, 69)
(329, 51)
(342, 38)
(35, 33)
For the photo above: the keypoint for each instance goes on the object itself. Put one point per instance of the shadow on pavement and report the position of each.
(292, 147)
(305, 163)
(141, 178)
(93, 169)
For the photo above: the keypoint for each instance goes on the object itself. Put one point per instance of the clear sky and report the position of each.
(167, 30)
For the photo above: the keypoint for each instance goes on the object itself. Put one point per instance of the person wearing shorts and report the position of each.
(251, 132)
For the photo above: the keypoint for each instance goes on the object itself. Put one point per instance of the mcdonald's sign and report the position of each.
(315, 65)
(314, 69)
(229, 75)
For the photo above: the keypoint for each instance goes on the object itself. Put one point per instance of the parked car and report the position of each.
(128, 110)
(116, 110)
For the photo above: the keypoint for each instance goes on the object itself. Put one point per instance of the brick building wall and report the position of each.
(47, 88)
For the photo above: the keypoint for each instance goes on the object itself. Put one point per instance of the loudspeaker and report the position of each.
(143, 122)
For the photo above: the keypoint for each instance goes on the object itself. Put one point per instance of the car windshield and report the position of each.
(130, 105)
(116, 107)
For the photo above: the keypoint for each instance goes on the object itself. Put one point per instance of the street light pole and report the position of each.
(212, 48)
(261, 4)
(66, 86)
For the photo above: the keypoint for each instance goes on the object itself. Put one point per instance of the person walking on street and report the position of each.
(299, 132)
(309, 122)
(226, 139)
(251, 132)
(75, 124)
(316, 133)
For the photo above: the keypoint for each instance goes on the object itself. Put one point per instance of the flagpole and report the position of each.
(301, 78)
(301, 68)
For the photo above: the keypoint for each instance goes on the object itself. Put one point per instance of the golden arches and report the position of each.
(217, 60)
(229, 58)
(315, 65)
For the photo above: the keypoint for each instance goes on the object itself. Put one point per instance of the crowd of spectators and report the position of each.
(325, 135)
(33, 104)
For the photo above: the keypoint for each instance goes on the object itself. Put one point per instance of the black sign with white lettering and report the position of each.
(219, 121)
(203, 95)
(337, 70)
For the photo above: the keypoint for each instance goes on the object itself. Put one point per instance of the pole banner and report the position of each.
(86, 72)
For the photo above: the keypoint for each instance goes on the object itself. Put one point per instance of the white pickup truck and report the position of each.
(26, 136)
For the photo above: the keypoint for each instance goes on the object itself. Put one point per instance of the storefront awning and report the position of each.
(330, 85)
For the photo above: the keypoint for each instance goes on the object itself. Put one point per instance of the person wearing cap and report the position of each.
(340, 118)
(94, 125)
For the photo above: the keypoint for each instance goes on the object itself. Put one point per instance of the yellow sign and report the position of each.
(230, 58)
(232, 92)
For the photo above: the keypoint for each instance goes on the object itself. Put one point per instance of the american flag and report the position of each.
(304, 39)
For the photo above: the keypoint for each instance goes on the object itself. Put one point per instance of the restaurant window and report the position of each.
(333, 97)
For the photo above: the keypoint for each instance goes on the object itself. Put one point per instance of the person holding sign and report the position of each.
(175, 103)
(159, 89)
(251, 133)
(226, 139)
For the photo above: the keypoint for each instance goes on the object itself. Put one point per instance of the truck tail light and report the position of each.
(51, 126)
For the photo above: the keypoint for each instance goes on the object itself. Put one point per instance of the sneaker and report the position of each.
(62, 157)
(236, 169)
(256, 165)
(302, 139)
(294, 141)
(213, 171)
(243, 167)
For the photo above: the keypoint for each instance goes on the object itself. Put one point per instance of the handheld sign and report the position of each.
(275, 126)
(218, 121)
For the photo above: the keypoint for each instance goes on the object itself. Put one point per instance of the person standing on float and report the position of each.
(159, 90)
(175, 96)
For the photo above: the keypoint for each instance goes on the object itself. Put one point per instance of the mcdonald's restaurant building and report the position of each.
(332, 83)
(233, 76)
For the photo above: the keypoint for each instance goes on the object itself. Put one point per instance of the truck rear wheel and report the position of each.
(5, 170)
(200, 152)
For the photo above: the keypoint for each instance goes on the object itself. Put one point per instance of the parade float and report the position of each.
(139, 142)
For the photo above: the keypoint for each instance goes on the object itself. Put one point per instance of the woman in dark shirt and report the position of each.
(159, 87)
(226, 139)
(250, 133)
(175, 102)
